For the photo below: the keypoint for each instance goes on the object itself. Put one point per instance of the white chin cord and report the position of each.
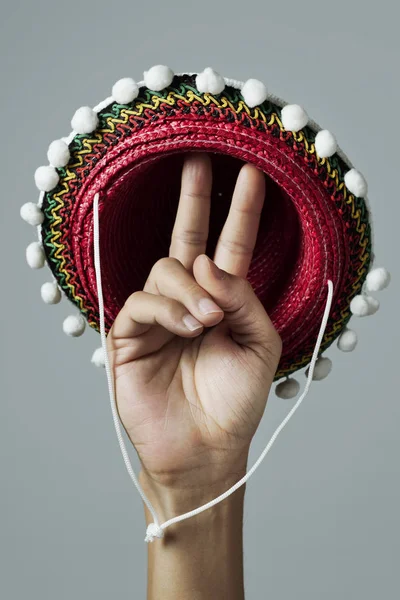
(155, 529)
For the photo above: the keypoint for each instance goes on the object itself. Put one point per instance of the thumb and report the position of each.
(248, 322)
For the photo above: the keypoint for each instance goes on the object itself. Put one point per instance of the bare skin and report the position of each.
(191, 400)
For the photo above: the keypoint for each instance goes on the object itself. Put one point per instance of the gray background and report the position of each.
(322, 516)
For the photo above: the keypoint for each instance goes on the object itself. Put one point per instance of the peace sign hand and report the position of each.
(194, 354)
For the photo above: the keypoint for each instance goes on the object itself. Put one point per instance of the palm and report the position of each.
(192, 395)
(181, 399)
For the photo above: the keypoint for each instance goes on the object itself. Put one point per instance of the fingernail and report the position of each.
(191, 323)
(215, 271)
(207, 306)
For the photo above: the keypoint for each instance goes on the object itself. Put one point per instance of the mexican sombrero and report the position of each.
(129, 149)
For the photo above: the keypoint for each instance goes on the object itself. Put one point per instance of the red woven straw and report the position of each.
(300, 244)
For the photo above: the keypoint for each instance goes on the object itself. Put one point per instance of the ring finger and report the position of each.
(170, 278)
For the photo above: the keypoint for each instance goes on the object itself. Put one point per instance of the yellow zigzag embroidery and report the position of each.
(222, 103)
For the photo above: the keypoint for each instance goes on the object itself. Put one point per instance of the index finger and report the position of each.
(190, 233)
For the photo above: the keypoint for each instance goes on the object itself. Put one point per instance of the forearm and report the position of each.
(201, 557)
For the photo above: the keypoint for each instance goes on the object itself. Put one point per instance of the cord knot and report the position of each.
(153, 531)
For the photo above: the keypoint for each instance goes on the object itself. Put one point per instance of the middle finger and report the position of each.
(238, 237)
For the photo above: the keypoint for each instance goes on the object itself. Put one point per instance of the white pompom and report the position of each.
(359, 306)
(364, 306)
(32, 214)
(322, 368)
(356, 183)
(210, 82)
(373, 305)
(325, 144)
(74, 325)
(58, 153)
(35, 255)
(125, 90)
(294, 117)
(347, 340)
(46, 178)
(50, 293)
(287, 389)
(254, 92)
(98, 357)
(158, 77)
(85, 120)
(378, 279)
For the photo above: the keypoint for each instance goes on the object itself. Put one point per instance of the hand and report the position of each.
(194, 354)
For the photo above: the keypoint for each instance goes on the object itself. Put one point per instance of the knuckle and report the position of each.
(190, 237)
(236, 247)
(193, 290)
(239, 298)
(240, 291)
(196, 194)
(133, 299)
(172, 309)
(164, 263)
(165, 266)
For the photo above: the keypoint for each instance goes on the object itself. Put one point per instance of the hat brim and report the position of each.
(312, 227)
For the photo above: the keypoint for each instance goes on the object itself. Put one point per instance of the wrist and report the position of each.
(207, 543)
(173, 495)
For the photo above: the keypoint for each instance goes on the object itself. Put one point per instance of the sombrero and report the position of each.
(129, 149)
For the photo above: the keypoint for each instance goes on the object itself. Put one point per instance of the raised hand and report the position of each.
(194, 354)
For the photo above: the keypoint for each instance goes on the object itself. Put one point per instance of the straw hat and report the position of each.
(315, 223)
